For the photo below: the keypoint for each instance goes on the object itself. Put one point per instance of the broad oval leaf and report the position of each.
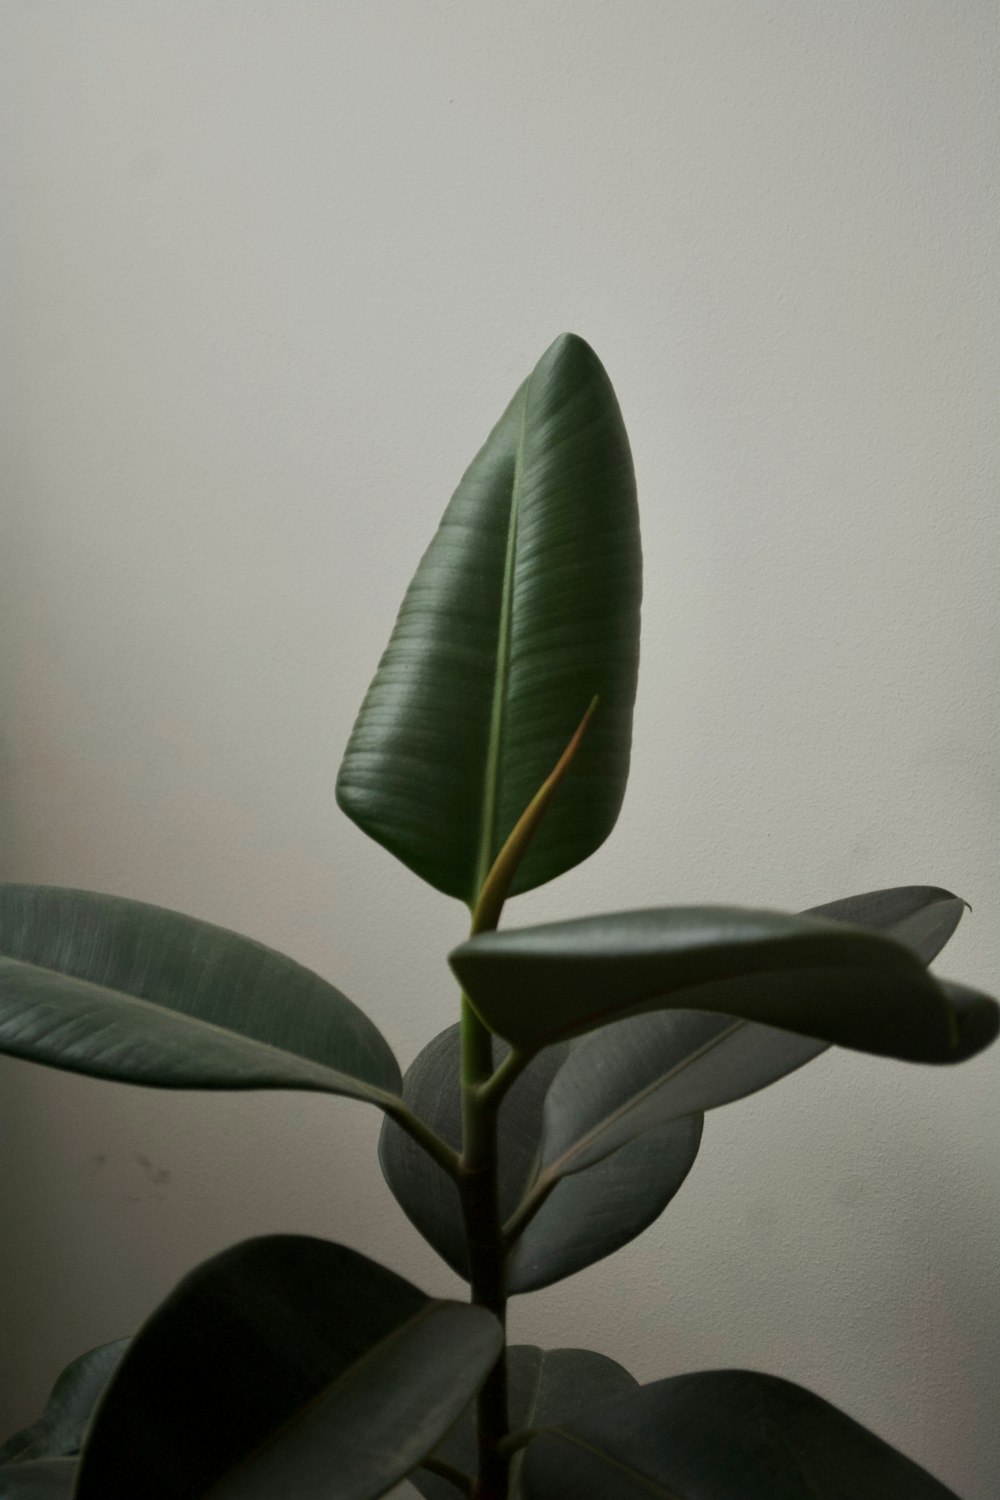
(545, 1386)
(579, 1223)
(590, 1215)
(805, 974)
(714, 1436)
(525, 605)
(432, 1090)
(59, 1431)
(119, 989)
(639, 1073)
(279, 1367)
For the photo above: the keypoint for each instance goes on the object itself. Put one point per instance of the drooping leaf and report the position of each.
(591, 1214)
(59, 1431)
(525, 605)
(281, 1367)
(716, 1436)
(38, 1479)
(639, 1073)
(806, 974)
(545, 1386)
(432, 1089)
(118, 989)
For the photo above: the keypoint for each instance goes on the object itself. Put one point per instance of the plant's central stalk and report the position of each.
(483, 1090)
(478, 1181)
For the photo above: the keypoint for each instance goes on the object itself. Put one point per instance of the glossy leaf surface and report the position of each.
(806, 974)
(580, 1222)
(431, 1088)
(279, 1364)
(717, 1436)
(525, 605)
(593, 1213)
(59, 1430)
(640, 1073)
(547, 1386)
(118, 989)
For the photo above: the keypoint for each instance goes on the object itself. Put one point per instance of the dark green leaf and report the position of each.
(118, 989)
(431, 1088)
(594, 1213)
(39, 1479)
(806, 974)
(640, 1073)
(580, 1222)
(977, 1018)
(546, 1386)
(59, 1430)
(525, 605)
(722, 1435)
(285, 1366)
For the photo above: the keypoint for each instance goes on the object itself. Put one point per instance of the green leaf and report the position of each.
(432, 1090)
(118, 989)
(59, 1430)
(921, 917)
(283, 1367)
(716, 1436)
(525, 605)
(38, 1479)
(805, 974)
(580, 1222)
(640, 1073)
(592, 1214)
(545, 1386)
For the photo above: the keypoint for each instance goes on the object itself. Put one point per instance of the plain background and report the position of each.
(270, 273)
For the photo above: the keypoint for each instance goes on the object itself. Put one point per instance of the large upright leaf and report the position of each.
(817, 977)
(285, 1367)
(721, 1435)
(639, 1073)
(118, 989)
(545, 1386)
(525, 605)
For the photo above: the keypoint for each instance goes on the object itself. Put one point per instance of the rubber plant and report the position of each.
(547, 1127)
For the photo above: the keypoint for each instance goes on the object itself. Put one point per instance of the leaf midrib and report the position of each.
(501, 672)
(558, 1166)
(100, 991)
(651, 1486)
(328, 1391)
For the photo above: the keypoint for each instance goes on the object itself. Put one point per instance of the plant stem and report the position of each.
(483, 1090)
(494, 1090)
(479, 1188)
(477, 1051)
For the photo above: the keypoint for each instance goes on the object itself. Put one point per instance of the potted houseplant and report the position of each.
(548, 1126)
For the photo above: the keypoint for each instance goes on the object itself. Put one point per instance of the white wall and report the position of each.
(278, 268)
